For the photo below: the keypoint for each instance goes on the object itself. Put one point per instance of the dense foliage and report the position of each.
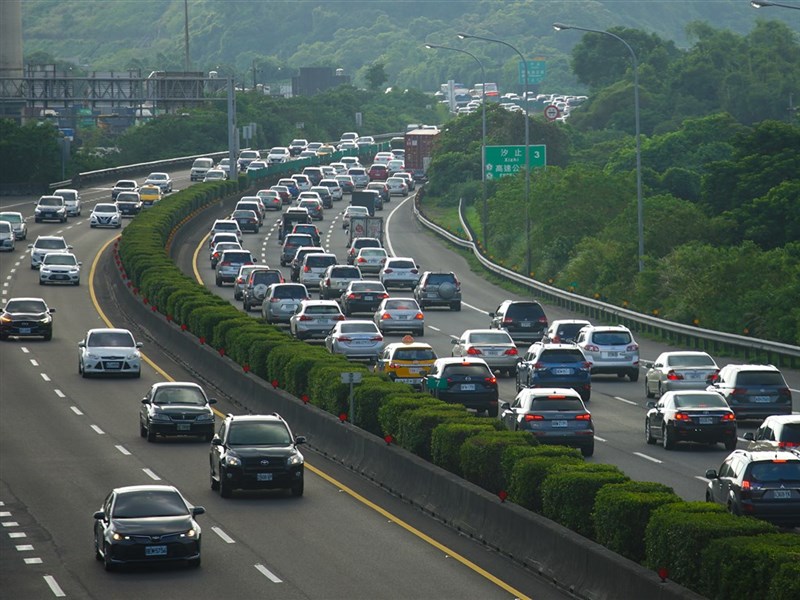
(30, 154)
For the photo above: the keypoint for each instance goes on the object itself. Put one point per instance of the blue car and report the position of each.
(555, 366)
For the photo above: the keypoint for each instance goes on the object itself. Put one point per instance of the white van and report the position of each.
(200, 167)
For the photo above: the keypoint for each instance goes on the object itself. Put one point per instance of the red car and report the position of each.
(378, 172)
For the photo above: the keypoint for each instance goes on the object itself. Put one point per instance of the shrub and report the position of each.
(369, 396)
(568, 494)
(744, 567)
(514, 453)
(279, 358)
(326, 389)
(621, 513)
(529, 473)
(396, 404)
(295, 371)
(677, 535)
(447, 438)
(480, 456)
(256, 347)
(415, 426)
(786, 582)
(220, 330)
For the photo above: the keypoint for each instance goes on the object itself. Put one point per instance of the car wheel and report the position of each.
(107, 564)
(492, 411)
(194, 563)
(421, 333)
(225, 489)
(647, 392)
(48, 336)
(648, 436)
(297, 489)
(667, 439)
(142, 430)
(633, 375)
(456, 306)
(730, 443)
(246, 306)
(97, 554)
(587, 450)
(708, 497)
(151, 435)
(219, 282)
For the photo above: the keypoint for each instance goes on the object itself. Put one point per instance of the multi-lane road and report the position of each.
(65, 441)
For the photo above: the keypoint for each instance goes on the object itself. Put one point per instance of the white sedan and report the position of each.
(355, 339)
(109, 352)
(105, 214)
(60, 267)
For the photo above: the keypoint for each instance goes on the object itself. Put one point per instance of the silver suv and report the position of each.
(610, 349)
(335, 279)
(72, 200)
(45, 244)
(50, 208)
(438, 288)
(230, 261)
(313, 268)
(281, 301)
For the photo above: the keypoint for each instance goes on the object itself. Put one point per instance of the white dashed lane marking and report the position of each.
(76, 410)
(650, 458)
(268, 574)
(225, 537)
(151, 475)
(625, 400)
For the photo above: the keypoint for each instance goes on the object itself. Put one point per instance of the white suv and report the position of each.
(399, 272)
(45, 244)
(610, 349)
(314, 267)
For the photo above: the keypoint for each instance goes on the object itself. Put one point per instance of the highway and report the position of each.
(67, 441)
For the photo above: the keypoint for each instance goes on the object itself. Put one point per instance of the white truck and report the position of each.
(365, 226)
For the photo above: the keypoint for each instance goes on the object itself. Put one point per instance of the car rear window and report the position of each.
(236, 257)
(346, 273)
(401, 305)
(790, 433)
(772, 471)
(690, 360)
(322, 310)
(611, 338)
(366, 243)
(367, 286)
(570, 330)
(297, 239)
(700, 401)
(439, 278)
(248, 206)
(290, 291)
(543, 404)
(490, 338)
(525, 310)
(226, 226)
(359, 328)
(320, 261)
(414, 354)
(401, 264)
(466, 370)
(266, 277)
(759, 378)
(561, 356)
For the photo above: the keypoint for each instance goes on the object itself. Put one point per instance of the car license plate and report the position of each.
(360, 342)
(155, 550)
(562, 371)
(368, 298)
(761, 398)
(407, 380)
(112, 364)
(559, 423)
(403, 317)
(263, 476)
(24, 329)
(612, 354)
(184, 426)
(706, 420)
(467, 387)
(782, 494)
(526, 324)
(289, 308)
(693, 375)
(414, 370)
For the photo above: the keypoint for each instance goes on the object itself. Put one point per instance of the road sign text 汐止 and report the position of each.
(501, 161)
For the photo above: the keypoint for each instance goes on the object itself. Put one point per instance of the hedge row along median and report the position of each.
(595, 500)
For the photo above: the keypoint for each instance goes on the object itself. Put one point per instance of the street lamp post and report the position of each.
(639, 204)
(466, 36)
(765, 3)
(483, 133)
(186, 34)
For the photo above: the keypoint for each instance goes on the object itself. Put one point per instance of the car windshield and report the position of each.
(11, 218)
(774, 471)
(544, 404)
(690, 360)
(611, 338)
(258, 434)
(180, 395)
(561, 356)
(26, 306)
(51, 202)
(401, 305)
(290, 292)
(490, 338)
(50, 244)
(149, 503)
(359, 328)
(105, 208)
(414, 354)
(759, 378)
(59, 259)
(700, 401)
(466, 370)
(111, 339)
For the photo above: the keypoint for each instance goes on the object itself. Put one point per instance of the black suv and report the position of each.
(762, 484)
(524, 320)
(256, 452)
(438, 288)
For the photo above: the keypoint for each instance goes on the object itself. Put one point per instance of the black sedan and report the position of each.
(26, 317)
(176, 408)
(363, 296)
(690, 416)
(146, 524)
(247, 220)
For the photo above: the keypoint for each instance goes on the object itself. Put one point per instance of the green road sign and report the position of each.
(501, 161)
(537, 71)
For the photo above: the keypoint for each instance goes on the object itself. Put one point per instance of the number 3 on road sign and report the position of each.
(551, 112)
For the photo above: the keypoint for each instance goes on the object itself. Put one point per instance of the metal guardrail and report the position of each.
(676, 333)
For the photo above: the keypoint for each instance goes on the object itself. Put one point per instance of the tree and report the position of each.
(376, 75)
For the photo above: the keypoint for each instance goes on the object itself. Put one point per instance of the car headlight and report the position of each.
(294, 459)
(132, 356)
(206, 417)
(190, 533)
(233, 461)
(159, 416)
(92, 356)
(37, 210)
(5, 319)
(118, 536)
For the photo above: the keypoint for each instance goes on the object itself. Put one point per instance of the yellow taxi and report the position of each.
(149, 195)
(406, 361)
(325, 150)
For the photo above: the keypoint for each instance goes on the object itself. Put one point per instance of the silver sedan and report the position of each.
(495, 346)
(355, 339)
(315, 318)
(400, 314)
(675, 371)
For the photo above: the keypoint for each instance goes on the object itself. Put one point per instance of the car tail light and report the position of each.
(388, 271)
(587, 365)
(788, 444)
(239, 280)
(592, 348)
(474, 351)
(508, 320)
(376, 338)
(386, 316)
(738, 392)
(784, 392)
(491, 380)
(680, 416)
(351, 296)
(534, 417)
(383, 296)
(274, 299)
(306, 269)
(632, 348)
(328, 281)
(543, 319)
(538, 366)
(555, 340)
(728, 417)
(419, 316)
(225, 263)
(511, 352)
(305, 318)
(415, 271)
(673, 376)
(584, 417)
(361, 259)
(714, 376)
(344, 338)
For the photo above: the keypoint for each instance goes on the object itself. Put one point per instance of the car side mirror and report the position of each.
(212, 400)
(454, 342)
(139, 344)
(145, 401)
(198, 510)
(80, 264)
(300, 439)
(216, 441)
(711, 474)
(491, 314)
(255, 260)
(99, 515)
(51, 310)
(82, 344)
(749, 436)
(651, 404)
(657, 365)
(504, 406)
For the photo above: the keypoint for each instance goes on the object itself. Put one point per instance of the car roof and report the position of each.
(545, 391)
(752, 368)
(175, 384)
(150, 487)
(759, 455)
(108, 330)
(410, 345)
(457, 360)
(783, 419)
